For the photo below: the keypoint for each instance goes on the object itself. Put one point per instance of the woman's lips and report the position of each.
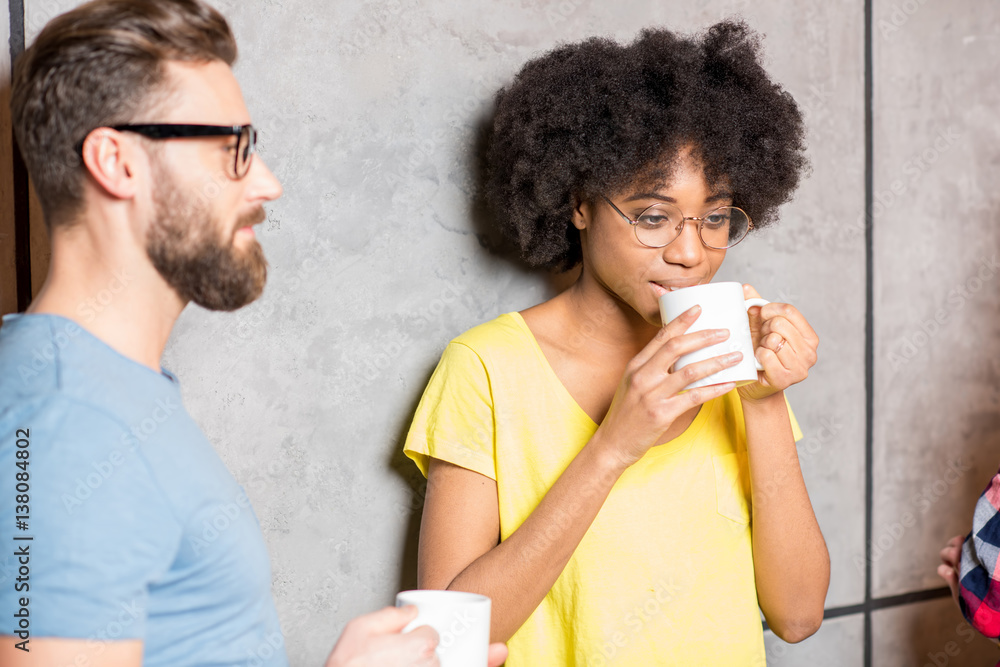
(661, 289)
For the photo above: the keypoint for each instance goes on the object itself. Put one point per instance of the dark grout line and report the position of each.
(869, 329)
(910, 598)
(887, 602)
(876, 604)
(16, 13)
(22, 206)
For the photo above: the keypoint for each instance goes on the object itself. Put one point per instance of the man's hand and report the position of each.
(377, 640)
(498, 654)
(948, 569)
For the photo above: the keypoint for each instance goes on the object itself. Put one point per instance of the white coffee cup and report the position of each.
(722, 307)
(462, 621)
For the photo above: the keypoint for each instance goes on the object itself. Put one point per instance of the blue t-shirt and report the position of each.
(138, 529)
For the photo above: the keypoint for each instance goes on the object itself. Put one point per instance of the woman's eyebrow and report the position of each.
(651, 195)
(718, 196)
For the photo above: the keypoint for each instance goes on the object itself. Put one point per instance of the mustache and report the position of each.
(254, 217)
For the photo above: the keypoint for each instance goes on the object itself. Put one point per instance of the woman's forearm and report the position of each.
(791, 562)
(520, 571)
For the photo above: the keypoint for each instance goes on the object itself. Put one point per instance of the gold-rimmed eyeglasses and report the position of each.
(660, 224)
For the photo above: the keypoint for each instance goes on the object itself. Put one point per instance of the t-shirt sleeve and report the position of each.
(454, 421)
(796, 431)
(979, 580)
(102, 533)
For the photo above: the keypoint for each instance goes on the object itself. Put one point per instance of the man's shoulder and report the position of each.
(29, 355)
(55, 416)
(81, 466)
(35, 351)
(50, 366)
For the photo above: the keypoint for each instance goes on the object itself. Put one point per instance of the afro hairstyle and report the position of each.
(598, 117)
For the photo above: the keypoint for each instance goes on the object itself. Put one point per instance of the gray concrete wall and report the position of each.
(369, 114)
(937, 305)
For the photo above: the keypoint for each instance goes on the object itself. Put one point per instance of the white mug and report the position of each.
(722, 307)
(462, 621)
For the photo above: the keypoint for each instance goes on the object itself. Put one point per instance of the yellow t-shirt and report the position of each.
(665, 574)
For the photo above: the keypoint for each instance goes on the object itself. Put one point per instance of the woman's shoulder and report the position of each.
(502, 343)
(501, 332)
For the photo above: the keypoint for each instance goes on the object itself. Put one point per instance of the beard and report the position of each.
(196, 258)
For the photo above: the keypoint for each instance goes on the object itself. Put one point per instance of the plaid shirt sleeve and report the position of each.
(979, 576)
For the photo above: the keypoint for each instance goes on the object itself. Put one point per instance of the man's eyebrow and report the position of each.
(718, 196)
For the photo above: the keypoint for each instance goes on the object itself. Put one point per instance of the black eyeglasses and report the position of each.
(246, 143)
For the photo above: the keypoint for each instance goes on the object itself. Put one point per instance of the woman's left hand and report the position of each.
(784, 344)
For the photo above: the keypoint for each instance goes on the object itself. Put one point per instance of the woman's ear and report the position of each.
(581, 213)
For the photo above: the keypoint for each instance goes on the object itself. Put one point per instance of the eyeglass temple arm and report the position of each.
(156, 131)
(619, 212)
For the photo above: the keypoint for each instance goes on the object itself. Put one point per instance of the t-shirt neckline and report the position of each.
(164, 374)
(684, 439)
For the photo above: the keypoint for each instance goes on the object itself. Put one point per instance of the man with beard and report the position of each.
(133, 544)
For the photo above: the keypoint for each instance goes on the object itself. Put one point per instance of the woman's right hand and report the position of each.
(648, 399)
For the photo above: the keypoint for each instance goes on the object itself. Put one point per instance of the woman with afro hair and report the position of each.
(612, 517)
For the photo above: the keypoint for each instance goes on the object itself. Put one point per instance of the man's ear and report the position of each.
(110, 158)
(581, 213)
